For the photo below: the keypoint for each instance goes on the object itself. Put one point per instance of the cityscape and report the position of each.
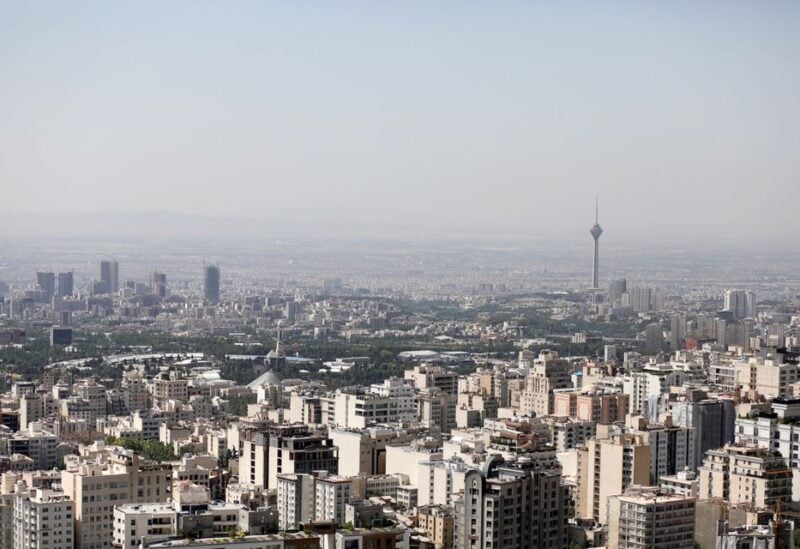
(227, 358)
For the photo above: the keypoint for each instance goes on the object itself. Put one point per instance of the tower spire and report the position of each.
(596, 209)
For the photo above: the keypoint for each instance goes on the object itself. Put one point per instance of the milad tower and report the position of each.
(596, 231)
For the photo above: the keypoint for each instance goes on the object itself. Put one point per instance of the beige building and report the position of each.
(767, 377)
(437, 524)
(548, 373)
(746, 474)
(591, 405)
(646, 518)
(363, 451)
(110, 477)
(174, 388)
(606, 468)
(409, 464)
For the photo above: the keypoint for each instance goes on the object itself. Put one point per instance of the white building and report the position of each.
(331, 496)
(43, 519)
(644, 519)
(296, 500)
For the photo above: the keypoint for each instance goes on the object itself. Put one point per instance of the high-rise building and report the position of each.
(296, 500)
(109, 276)
(615, 290)
(746, 474)
(47, 283)
(211, 283)
(677, 331)
(511, 505)
(332, 493)
(639, 299)
(710, 420)
(596, 231)
(549, 372)
(654, 337)
(644, 518)
(159, 284)
(741, 303)
(607, 467)
(97, 483)
(43, 519)
(284, 449)
(66, 284)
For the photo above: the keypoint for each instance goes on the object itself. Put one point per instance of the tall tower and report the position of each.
(596, 231)
(109, 276)
(211, 284)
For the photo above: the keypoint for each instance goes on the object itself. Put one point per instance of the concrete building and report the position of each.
(778, 430)
(607, 467)
(158, 284)
(548, 373)
(647, 518)
(284, 449)
(654, 337)
(710, 420)
(332, 493)
(682, 483)
(358, 408)
(39, 445)
(211, 283)
(284, 540)
(567, 433)
(510, 505)
(409, 463)
(296, 500)
(34, 407)
(770, 377)
(746, 474)
(740, 303)
(591, 404)
(112, 476)
(66, 284)
(438, 393)
(363, 451)
(671, 447)
(43, 519)
(437, 522)
(109, 276)
(190, 515)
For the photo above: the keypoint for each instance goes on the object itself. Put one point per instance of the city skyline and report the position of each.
(282, 275)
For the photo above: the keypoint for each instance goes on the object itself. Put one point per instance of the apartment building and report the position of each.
(36, 443)
(510, 505)
(746, 474)
(769, 377)
(284, 449)
(647, 518)
(437, 523)
(548, 373)
(296, 500)
(43, 519)
(112, 476)
(607, 467)
(331, 494)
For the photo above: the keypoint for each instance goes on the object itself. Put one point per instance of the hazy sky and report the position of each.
(492, 117)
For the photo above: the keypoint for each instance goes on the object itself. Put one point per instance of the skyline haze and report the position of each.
(453, 118)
